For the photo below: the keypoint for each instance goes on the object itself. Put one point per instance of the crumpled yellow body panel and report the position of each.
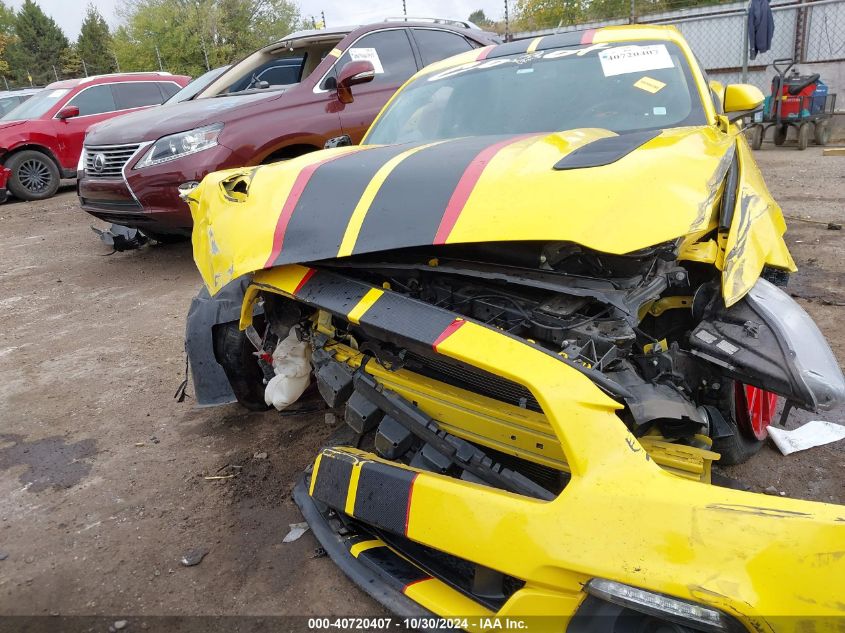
(249, 219)
(774, 563)
(756, 234)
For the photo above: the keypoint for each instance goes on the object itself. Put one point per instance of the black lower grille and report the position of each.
(456, 572)
(472, 379)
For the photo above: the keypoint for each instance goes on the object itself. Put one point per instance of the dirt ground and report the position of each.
(102, 472)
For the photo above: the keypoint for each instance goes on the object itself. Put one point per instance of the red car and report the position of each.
(284, 100)
(41, 139)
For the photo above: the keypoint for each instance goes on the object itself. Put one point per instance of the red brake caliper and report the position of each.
(755, 410)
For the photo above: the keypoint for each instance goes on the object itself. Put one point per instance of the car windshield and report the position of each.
(36, 105)
(620, 87)
(198, 84)
(272, 69)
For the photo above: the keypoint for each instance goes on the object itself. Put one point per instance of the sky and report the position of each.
(69, 13)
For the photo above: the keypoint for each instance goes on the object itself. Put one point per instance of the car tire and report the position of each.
(166, 238)
(34, 175)
(821, 132)
(745, 440)
(803, 136)
(757, 137)
(780, 134)
(236, 356)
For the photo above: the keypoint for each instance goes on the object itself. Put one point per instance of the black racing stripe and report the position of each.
(395, 315)
(511, 48)
(333, 478)
(409, 206)
(395, 570)
(332, 292)
(407, 319)
(382, 496)
(605, 151)
(561, 40)
(321, 215)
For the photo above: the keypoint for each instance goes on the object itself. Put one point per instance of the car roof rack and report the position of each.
(466, 24)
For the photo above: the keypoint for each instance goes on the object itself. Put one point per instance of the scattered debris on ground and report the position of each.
(814, 433)
(194, 556)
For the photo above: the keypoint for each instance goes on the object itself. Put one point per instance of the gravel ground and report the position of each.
(102, 472)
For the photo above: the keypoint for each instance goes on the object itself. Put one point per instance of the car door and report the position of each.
(393, 59)
(96, 103)
(437, 44)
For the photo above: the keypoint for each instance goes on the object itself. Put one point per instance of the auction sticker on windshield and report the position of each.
(367, 55)
(634, 59)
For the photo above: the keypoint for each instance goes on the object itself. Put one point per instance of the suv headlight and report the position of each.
(182, 144)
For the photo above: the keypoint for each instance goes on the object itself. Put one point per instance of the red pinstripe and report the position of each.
(290, 204)
(587, 36)
(450, 329)
(465, 186)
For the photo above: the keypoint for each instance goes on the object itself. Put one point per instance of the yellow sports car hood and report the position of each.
(608, 192)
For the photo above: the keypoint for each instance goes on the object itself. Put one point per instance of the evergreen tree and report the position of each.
(38, 46)
(94, 45)
(7, 20)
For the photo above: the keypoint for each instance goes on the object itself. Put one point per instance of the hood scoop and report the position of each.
(605, 151)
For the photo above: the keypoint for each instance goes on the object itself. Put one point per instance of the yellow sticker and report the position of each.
(649, 85)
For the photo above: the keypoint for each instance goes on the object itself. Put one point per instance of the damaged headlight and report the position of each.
(812, 359)
(182, 144)
(683, 612)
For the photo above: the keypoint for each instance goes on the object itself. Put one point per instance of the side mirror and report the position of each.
(352, 74)
(741, 100)
(68, 112)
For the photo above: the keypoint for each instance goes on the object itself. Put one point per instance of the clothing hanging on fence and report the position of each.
(761, 27)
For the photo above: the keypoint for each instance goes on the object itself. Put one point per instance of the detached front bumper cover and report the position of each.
(764, 561)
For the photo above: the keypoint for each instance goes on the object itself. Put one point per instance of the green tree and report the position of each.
(186, 31)
(71, 62)
(479, 18)
(7, 19)
(38, 46)
(94, 44)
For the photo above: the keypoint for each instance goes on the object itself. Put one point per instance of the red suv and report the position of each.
(41, 139)
(284, 100)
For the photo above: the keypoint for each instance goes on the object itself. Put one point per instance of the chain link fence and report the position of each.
(810, 32)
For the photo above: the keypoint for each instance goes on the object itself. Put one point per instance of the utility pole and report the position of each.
(404, 9)
(323, 15)
(84, 68)
(507, 24)
(116, 62)
(158, 55)
(6, 82)
(55, 73)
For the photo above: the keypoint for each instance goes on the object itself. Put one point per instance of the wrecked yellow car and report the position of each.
(544, 293)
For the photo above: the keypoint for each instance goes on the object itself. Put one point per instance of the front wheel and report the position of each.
(780, 134)
(803, 135)
(236, 356)
(34, 176)
(748, 411)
